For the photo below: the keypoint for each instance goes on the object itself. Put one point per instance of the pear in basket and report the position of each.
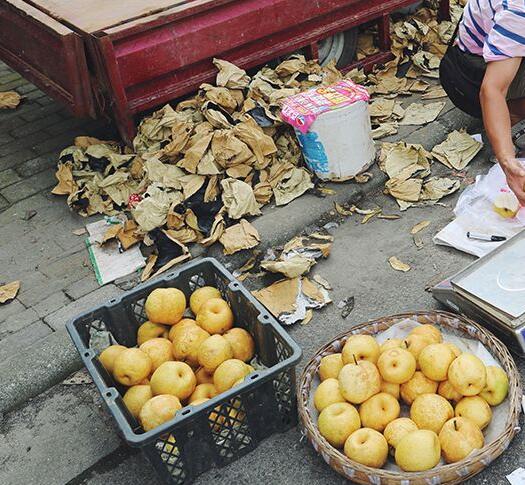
(431, 411)
(446, 389)
(359, 381)
(360, 347)
(149, 330)
(458, 438)
(379, 410)
(215, 316)
(476, 409)
(497, 386)
(108, 355)
(396, 365)
(368, 447)
(328, 392)
(429, 331)
(419, 384)
(397, 429)
(165, 305)
(337, 422)
(467, 374)
(434, 361)
(391, 343)
(202, 295)
(330, 366)
(242, 343)
(418, 451)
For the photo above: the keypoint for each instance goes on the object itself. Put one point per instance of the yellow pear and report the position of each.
(506, 205)
(135, 397)
(330, 366)
(202, 295)
(215, 316)
(447, 390)
(175, 329)
(175, 378)
(358, 382)
(431, 411)
(108, 355)
(455, 349)
(398, 429)
(158, 410)
(132, 366)
(328, 392)
(213, 352)
(467, 374)
(368, 447)
(497, 386)
(416, 343)
(187, 341)
(165, 305)
(458, 438)
(476, 409)
(159, 351)
(429, 331)
(419, 384)
(360, 347)
(337, 422)
(149, 330)
(242, 343)
(202, 391)
(390, 388)
(391, 343)
(396, 365)
(203, 377)
(418, 451)
(228, 373)
(379, 410)
(434, 361)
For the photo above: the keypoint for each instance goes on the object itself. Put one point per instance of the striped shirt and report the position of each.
(494, 29)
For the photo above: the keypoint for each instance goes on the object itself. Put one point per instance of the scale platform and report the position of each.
(491, 291)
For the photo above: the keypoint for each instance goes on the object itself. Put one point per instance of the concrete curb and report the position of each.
(54, 358)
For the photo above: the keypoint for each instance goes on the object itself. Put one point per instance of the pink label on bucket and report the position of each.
(302, 109)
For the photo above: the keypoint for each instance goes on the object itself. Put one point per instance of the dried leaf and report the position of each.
(398, 265)
(323, 282)
(363, 178)
(346, 306)
(79, 232)
(457, 150)
(308, 318)
(390, 217)
(419, 227)
(374, 213)
(66, 184)
(291, 268)
(341, 210)
(238, 237)
(238, 199)
(435, 93)
(9, 99)
(418, 241)
(9, 291)
(420, 114)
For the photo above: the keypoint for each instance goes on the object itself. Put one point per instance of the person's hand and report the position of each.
(515, 173)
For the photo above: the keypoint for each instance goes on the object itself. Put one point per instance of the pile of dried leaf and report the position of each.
(9, 99)
(419, 42)
(198, 169)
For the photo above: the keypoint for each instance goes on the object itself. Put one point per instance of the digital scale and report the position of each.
(491, 291)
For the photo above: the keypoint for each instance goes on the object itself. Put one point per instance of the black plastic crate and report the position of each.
(224, 428)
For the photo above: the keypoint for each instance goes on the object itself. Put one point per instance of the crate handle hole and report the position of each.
(186, 411)
(266, 317)
(113, 300)
(108, 394)
(86, 354)
(254, 376)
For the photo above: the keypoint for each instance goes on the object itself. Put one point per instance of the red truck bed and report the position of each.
(121, 58)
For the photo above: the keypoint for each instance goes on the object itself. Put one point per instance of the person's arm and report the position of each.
(496, 117)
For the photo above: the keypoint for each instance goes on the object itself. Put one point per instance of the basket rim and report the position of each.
(493, 449)
(110, 394)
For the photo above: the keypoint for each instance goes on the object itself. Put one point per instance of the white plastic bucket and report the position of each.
(338, 145)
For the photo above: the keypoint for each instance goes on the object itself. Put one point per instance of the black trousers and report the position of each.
(461, 75)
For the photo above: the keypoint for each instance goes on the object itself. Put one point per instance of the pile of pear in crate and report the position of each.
(366, 388)
(180, 361)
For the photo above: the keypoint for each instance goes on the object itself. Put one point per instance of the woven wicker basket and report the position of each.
(446, 474)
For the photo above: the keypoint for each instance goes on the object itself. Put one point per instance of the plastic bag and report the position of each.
(477, 200)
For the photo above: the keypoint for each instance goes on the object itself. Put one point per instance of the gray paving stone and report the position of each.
(18, 321)
(5, 138)
(50, 143)
(37, 164)
(29, 128)
(67, 269)
(19, 341)
(27, 88)
(13, 159)
(6, 78)
(3, 203)
(29, 186)
(59, 319)
(21, 144)
(41, 111)
(82, 287)
(12, 308)
(55, 437)
(51, 304)
(8, 177)
(35, 287)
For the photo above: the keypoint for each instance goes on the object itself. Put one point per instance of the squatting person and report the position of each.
(483, 74)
